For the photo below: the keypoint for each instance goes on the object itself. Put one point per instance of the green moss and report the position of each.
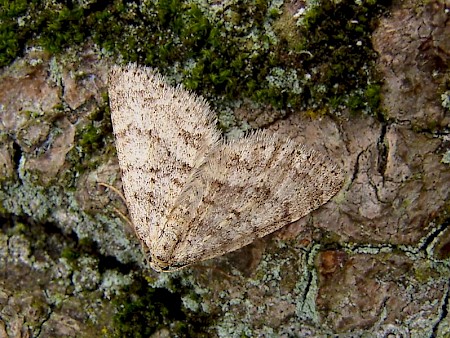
(12, 36)
(373, 95)
(91, 137)
(142, 310)
(70, 254)
(19, 228)
(87, 244)
(230, 53)
(65, 27)
(93, 142)
(338, 36)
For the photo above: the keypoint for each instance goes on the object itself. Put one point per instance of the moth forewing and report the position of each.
(192, 196)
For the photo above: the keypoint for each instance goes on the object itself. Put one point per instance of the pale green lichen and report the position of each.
(55, 71)
(27, 199)
(446, 157)
(86, 276)
(280, 78)
(113, 282)
(307, 287)
(190, 303)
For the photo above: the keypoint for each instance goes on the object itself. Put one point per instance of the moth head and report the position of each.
(161, 265)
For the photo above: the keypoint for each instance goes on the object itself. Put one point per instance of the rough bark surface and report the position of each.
(372, 262)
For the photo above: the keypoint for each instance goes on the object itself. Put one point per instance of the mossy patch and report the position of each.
(93, 140)
(143, 311)
(229, 52)
(12, 35)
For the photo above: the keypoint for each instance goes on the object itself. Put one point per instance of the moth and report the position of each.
(191, 194)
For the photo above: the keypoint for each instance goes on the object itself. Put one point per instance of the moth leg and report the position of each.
(117, 211)
(145, 249)
(150, 259)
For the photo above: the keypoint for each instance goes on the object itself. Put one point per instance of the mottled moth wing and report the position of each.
(161, 133)
(244, 190)
(192, 197)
